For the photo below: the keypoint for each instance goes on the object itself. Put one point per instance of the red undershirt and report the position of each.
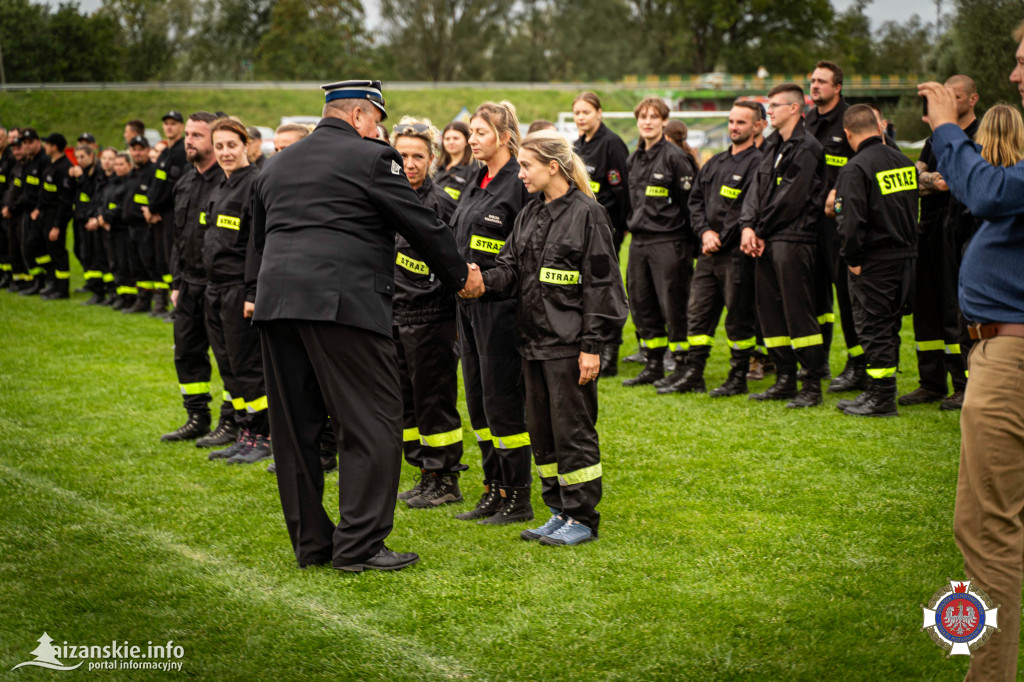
(486, 181)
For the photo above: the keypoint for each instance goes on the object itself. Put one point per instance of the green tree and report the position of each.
(979, 45)
(150, 31)
(314, 39)
(849, 42)
(902, 48)
(224, 40)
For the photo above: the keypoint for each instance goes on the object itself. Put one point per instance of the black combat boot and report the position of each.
(159, 303)
(854, 376)
(515, 506)
(735, 383)
(95, 299)
(441, 489)
(142, 303)
(784, 387)
(422, 483)
(652, 371)
(489, 503)
(675, 373)
(226, 432)
(686, 379)
(810, 396)
(880, 400)
(609, 360)
(34, 287)
(198, 424)
(843, 404)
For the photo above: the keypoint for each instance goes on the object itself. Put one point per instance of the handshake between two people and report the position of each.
(474, 283)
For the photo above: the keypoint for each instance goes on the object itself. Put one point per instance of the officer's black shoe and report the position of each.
(142, 304)
(735, 384)
(854, 377)
(652, 371)
(880, 400)
(444, 489)
(95, 299)
(489, 503)
(637, 357)
(515, 506)
(423, 480)
(609, 360)
(843, 404)
(920, 396)
(384, 560)
(953, 402)
(810, 396)
(198, 424)
(686, 379)
(34, 287)
(784, 388)
(226, 432)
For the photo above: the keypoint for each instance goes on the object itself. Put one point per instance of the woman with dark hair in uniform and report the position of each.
(676, 132)
(491, 365)
(456, 166)
(605, 156)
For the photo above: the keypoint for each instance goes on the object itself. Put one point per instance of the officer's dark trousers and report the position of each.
(618, 236)
(316, 368)
(879, 294)
(192, 352)
(5, 246)
(936, 325)
(722, 280)
(94, 258)
(786, 306)
(236, 347)
(428, 369)
(562, 416)
(78, 243)
(33, 246)
(658, 284)
(145, 252)
(58, 269)
(110, 247)
(126, 267)
(831, 268)
(15, 252)
(162, 250)
(493, 374)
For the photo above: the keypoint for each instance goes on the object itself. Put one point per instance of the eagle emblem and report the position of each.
(960, 617)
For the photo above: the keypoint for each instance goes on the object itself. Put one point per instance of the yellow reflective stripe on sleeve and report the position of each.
(826, 318)
(552, 276)
(17, 182)
(238, 403)
(226, 397)
(856, 351)
(411, 434)
(778, 180)
(654, 191)
(202, 217)
(61, 274)
(547, 470)
(807, 341)
(257, 405)
(167, 279)
(925, 346)
(516, 440)
(658, 342)
(83, 197)
(581, 475)
(160, 174)
(32, 179)
(478, 243)
(730, 192)
(195, 388)
(453, 193)
(838, 161)
(776, 341)
(897, 180)
(482, 435)
(111, 206)
(744, 344)
(161, 285)
(49, 187)
(144, 285)
(881, 372)
(678, 346)
(595, 187)
(3, 178)
(127, 290)
(412, 265)
(229, 222)
(953, 349)
(701, 340)
(108, 277)
(36, 271)
(440, 440)
(141, 199)
(43, 260)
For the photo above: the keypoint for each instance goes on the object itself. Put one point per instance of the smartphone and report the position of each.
(924, 106)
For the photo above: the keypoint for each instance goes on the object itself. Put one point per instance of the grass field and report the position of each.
(739, 540)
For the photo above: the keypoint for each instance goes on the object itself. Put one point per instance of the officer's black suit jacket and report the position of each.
(325, 213)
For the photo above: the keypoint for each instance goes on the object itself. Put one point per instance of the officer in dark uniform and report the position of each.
(143, 242)
(876, 209)
(159, 212)
(724, 275)
(662, 247)
(825, 123)
(33, 241)
(12, 216)
(7, 162)
(323, 303)
(780, 219)
(89, 183)
(111, 218)
(607, 159)
(56, 201)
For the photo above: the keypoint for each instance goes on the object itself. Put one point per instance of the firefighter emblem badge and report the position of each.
(614, 178)
(960, 618)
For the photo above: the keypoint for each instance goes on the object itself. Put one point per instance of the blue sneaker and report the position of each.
(571, 532)
(554, 523)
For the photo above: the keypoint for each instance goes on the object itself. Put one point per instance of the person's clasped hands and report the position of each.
(474, 287)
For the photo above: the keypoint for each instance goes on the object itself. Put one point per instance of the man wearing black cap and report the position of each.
(323, 303)
(33, 243)
(160, 211)
(90, 139)
(143, 252)
(255, 149)
(55, 210)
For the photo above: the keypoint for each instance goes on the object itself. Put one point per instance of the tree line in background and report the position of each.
(528, 40)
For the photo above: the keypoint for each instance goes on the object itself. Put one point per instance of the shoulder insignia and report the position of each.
(395, 168)
(614, 178)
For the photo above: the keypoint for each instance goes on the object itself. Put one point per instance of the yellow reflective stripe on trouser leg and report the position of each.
(547, 470)
(952, 349)
(410, 434)
(744, 344)
(807, 341)
(43, 260)
(657, 342)
(195, 388)
(881, 372)
(62, 274)
(439, 440)
(238, 403)
(855, 351)
(581, 475)
(827, 318)
(678, 346)
(257, 405)
(776, 341)
(482, 435)
(516, 440)
(931, 345)
(701, 340)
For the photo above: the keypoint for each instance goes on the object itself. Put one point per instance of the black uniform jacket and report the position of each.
(33, 173)
(717, 196)
(325, 213)
(228, 224)
(456, 179)
(876, 205)
(110, 203)
(87, 189)
(169, 168)
(607, 161)
(191, 201)
(420, 297)
(139, 183)
(660, 179)
(485, 216)
(786, 199)
(7, 162)
(56, 200)
(560, 263)
(828, 130)
(15, 186)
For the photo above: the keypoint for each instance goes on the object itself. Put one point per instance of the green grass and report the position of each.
(739, 540)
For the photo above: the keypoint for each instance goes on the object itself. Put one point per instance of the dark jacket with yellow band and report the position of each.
(560, 265)
(191, 202)
(456, 179)
(32, 176)
(717, 196)
(170, 166)
(228, 225)
(420, 298)
(87, 190)
(109, 203)
(56, 200)
(139, 183)
(607, 159)
(660, 180)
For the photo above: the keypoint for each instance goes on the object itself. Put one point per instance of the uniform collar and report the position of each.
(870, 142)
(511, 167)
(424, 190)
(601, 131)
(212, 172)
(557, 207)
(832, 116)
(331, 122)
(657, 145)
(742, 154)
(239, 175)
